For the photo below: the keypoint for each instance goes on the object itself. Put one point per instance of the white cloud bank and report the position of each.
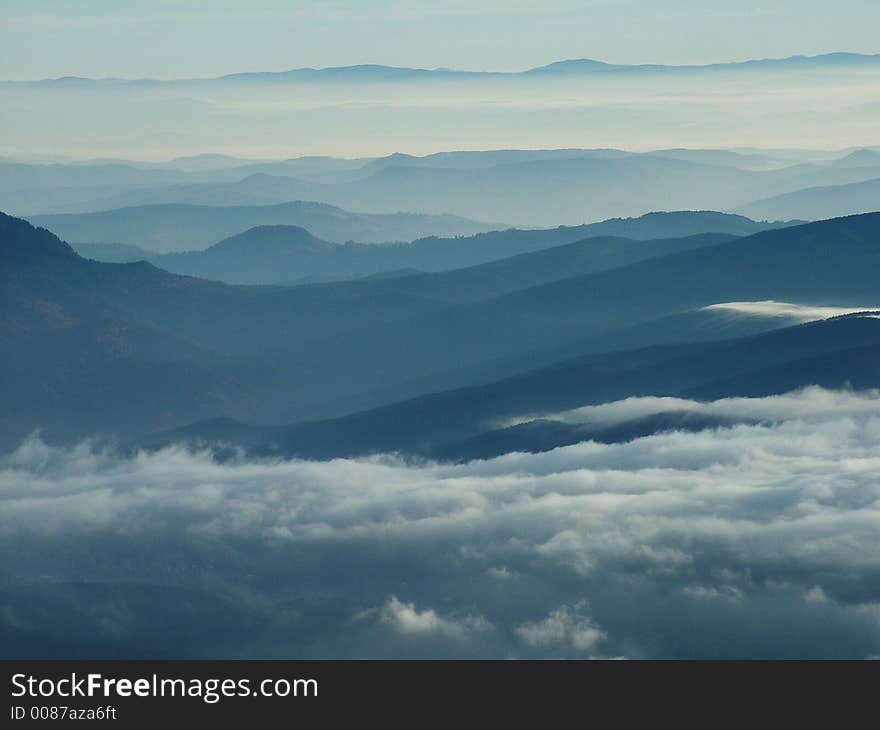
(714, 543)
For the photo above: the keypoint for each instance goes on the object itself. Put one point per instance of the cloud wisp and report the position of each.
(800, 313)
(810, 405)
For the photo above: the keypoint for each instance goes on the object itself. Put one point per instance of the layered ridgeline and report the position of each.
(525, 190)
(163, 228)
(128, 348)
(281, 254)
(829, 263)
(568, 101)
(821, 202)
(560, 404)
(372, 72)
(85, 337)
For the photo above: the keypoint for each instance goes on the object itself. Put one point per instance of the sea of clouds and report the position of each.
(757, 540)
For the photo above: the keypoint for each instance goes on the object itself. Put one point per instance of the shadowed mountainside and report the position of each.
(82, 337)
(468, 423)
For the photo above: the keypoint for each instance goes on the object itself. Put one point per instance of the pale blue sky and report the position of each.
(180, 38)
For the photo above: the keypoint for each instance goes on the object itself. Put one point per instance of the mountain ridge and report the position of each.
(452, 423)
(371, 70)
(821, 201)
(80, 334)
(188, 227)
(266, 255)
(274, 254)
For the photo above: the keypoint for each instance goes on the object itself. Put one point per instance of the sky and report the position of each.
(184, 38)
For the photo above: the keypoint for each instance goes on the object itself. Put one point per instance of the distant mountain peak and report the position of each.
(575, 66)
(273, 238)
(589, 65)
(380, 72)
(863, 157)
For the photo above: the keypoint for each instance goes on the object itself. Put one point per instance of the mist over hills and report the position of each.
(276, 354)
(469, 423)
(522, 329)
(112, 253)
(272, 115)
(276, 254)
(576, 361)
(824, 202)
(268, 255)
(528, 188)
(185, 227)
(447, 330)
(564, 420)
(132, 326)
(859, 158)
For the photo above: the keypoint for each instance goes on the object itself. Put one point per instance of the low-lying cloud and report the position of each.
(787, 310)
(756, 540)
(809, 404)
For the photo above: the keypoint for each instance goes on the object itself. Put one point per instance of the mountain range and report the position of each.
(262, 255)
(528, 188)
(821, 202)
(279, 254)
(575, 359)
(377, 72)
(83, 336)
(469, 423)
(180, 227)
(368, 111)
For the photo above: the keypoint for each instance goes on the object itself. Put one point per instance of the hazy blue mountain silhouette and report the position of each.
(829, 60)
(526, 187)
(530, 192)
(830, 262)
(161, 228)
(460, 424)
(185, 227)
(379, 73)
(821, 202)
(480, 159)
(28, 176)
(112, 253)
(31, 188)
(859, 158)
(274, 254)
(82, 337)
(540, 192)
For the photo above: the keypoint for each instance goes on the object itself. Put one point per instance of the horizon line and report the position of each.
(30, 159)
(599, 64)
